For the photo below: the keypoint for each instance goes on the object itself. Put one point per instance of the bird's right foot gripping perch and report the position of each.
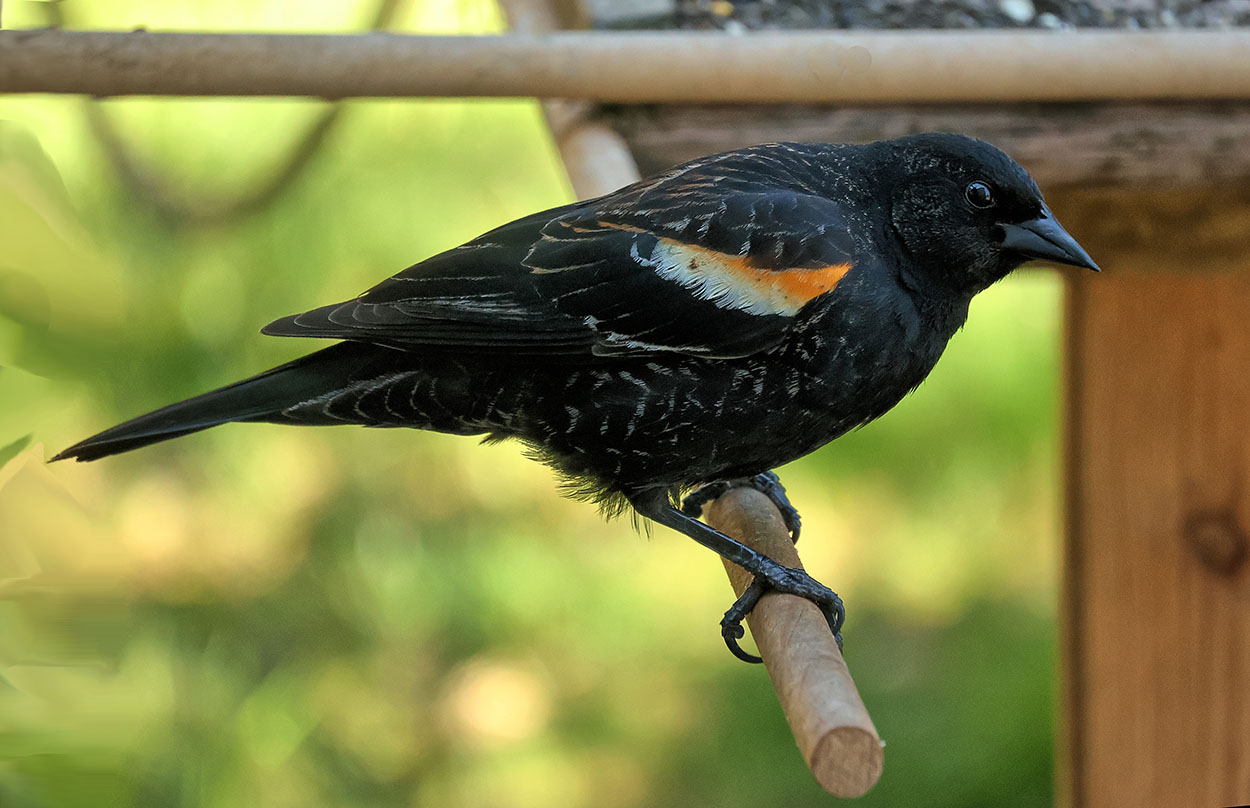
(791, 582)
(769, 575)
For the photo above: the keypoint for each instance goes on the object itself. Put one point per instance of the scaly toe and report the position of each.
(769, 484)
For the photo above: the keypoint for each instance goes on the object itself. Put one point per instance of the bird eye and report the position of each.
(979, 195)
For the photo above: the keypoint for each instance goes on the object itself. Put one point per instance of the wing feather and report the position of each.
(715, 258)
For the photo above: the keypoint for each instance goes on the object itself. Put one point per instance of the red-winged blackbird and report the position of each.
(723, 318)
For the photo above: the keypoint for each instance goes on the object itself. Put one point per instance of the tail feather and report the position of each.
(262, 397)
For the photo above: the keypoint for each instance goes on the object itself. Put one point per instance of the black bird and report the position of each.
(702, 326)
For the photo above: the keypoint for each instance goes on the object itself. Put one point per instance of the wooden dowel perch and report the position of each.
(862, 67)
(830, 723)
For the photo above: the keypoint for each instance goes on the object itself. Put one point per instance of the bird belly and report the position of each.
(679, 423)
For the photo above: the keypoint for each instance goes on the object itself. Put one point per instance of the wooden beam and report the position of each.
(640, 67)
(1152, 185)
(1158, 230)
(1076, 145)
(1156, 614)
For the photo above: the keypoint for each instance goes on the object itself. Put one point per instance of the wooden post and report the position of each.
(1156, 615)
(597, 159)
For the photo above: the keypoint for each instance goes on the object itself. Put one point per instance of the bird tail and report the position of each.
(263, 397)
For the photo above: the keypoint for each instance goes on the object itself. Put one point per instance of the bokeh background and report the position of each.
(260, 615)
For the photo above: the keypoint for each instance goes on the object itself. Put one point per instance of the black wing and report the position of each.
(714, 259)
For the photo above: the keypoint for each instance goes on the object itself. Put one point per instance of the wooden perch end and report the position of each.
(834, 732)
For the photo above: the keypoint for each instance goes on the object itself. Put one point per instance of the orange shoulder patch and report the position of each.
(732, 281)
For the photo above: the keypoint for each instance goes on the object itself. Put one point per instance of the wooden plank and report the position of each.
(1156, 613)
(1064, 145)
(1158, 230)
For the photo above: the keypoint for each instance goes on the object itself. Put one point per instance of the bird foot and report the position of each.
(767, 483)
(769, 575)
(776, 578)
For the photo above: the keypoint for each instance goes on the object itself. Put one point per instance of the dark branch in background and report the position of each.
(147, 185)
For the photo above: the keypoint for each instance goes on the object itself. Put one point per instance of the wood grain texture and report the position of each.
(830, 723)
(1063, 145)
(1156, 614)
(1158, 231)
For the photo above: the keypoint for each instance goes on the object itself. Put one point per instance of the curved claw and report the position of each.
(836, 616)
(732, 632)
(731, 624)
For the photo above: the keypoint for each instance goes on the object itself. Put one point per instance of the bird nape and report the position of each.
(700, 327)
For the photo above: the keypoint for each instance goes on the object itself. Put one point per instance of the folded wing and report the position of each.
(714, 259)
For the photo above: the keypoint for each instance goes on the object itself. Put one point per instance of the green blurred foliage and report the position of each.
(273, 616)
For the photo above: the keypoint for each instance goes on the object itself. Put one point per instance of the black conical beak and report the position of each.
(1045, 239)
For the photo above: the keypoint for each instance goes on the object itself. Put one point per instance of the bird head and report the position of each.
(967, 214)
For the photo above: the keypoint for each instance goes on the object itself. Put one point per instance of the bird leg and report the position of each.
(768, 484)
(769, 575)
